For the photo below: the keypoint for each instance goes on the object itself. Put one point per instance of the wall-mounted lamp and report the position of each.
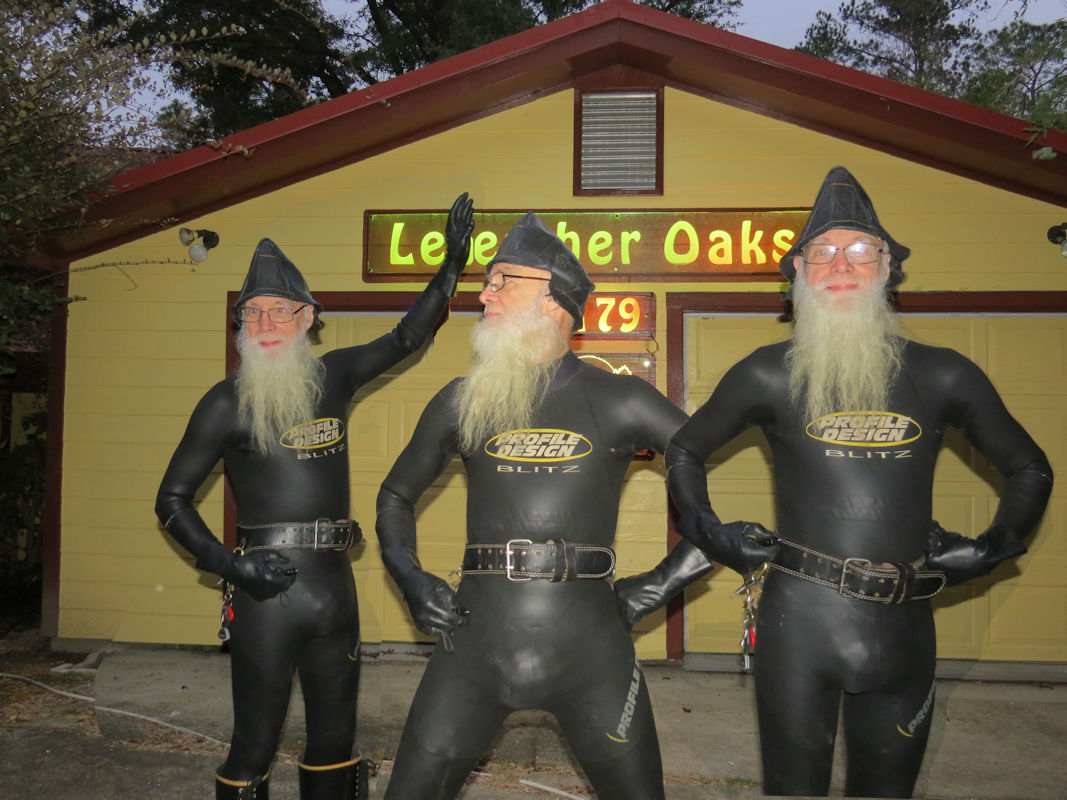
(198, 251)
(1057, 234)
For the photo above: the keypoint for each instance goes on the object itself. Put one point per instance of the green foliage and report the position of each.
(920, 42)
(64, 131)
(1021, 70)
(396, 36)
(237, 63)
(21, 504)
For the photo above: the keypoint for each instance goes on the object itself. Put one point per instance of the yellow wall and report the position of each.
(149, 338)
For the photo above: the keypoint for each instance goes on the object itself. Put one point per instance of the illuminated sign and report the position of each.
(611, 315)
(676, 245)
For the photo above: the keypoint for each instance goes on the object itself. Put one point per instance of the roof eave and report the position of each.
(816, 94)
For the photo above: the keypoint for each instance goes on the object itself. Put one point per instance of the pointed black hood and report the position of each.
(842, 203)
(532, 244)
(271, 273)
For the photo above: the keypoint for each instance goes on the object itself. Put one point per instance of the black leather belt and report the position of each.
(523, 560)
(322, 534)
(858, 577)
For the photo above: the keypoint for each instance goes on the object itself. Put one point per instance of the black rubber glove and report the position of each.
(430, 310)
(431, 600)
(257, 573)
(742, 546)
(962, 558)
(642, 594)
(458, 232)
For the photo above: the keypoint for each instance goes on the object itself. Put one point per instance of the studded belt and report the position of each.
(858, 578)
(322, 534)
(524, 560)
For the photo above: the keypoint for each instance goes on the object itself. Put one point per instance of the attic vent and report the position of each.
(620, 143)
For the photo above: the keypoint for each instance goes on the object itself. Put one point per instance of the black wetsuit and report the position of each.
(561, 647)
(860, 486)
(313, 627)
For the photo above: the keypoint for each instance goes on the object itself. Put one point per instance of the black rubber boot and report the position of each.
(257, 789)
(347, 781)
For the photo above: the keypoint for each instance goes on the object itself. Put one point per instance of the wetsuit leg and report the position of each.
(886, 733)
(797, 695)
(263, 651)
(329, 677)
(612, 732)
(452, 721)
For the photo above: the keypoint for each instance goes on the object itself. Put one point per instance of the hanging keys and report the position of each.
(752, 588)
(227, 612)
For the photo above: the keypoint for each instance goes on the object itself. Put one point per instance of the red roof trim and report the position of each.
(909, 122)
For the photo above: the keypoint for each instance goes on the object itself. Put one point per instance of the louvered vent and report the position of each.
(619, 141)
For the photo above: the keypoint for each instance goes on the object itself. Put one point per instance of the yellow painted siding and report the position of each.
(149, 338)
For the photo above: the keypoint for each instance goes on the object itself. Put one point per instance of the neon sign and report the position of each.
(676, 245)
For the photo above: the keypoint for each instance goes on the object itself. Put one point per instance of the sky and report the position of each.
(783, 22)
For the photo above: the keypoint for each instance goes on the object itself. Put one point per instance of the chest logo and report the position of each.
(865, 428)
(542, 445)
(313, 435)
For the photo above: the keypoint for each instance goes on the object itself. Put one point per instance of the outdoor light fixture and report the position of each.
(198, 250)
(1057, 234)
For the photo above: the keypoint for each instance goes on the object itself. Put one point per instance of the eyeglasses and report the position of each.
(856, 253)
(499, 281)
(277, 315)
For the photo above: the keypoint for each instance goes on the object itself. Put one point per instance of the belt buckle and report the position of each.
(860, 562)
(509, 564)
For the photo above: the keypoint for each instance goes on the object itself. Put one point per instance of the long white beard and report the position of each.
(845, 354)
(507, 383)
(279, 389)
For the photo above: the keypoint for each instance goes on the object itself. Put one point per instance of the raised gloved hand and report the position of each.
(458, 231)
(742, 546)
(260, 574)
(642, 594)
(962, 558)
(432, 602)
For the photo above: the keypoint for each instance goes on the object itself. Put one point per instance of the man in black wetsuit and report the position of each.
(546, 441)
(279, 426)
(855, 416)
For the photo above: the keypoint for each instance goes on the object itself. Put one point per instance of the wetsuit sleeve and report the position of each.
(977, 409)
(737, 402)
(364, 362)
(432, 603)
(974, 406)
(653, 417)
(199, 451)
(740, 400)
(212, 422)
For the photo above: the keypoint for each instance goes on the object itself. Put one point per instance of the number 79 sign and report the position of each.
(624, 315)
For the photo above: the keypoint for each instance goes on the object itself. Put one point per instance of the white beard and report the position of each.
(505, 387)
(845, 354)
(277, 390)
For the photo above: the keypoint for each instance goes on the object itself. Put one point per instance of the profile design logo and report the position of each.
(864, 429)
(313, 435)
(541, 445)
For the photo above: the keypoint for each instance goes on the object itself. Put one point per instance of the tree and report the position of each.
(919, 42)
(274, 57)
(78, 103)
(396, 36)
(1021, 70)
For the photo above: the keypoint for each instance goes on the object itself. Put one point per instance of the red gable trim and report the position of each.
(842, 102)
